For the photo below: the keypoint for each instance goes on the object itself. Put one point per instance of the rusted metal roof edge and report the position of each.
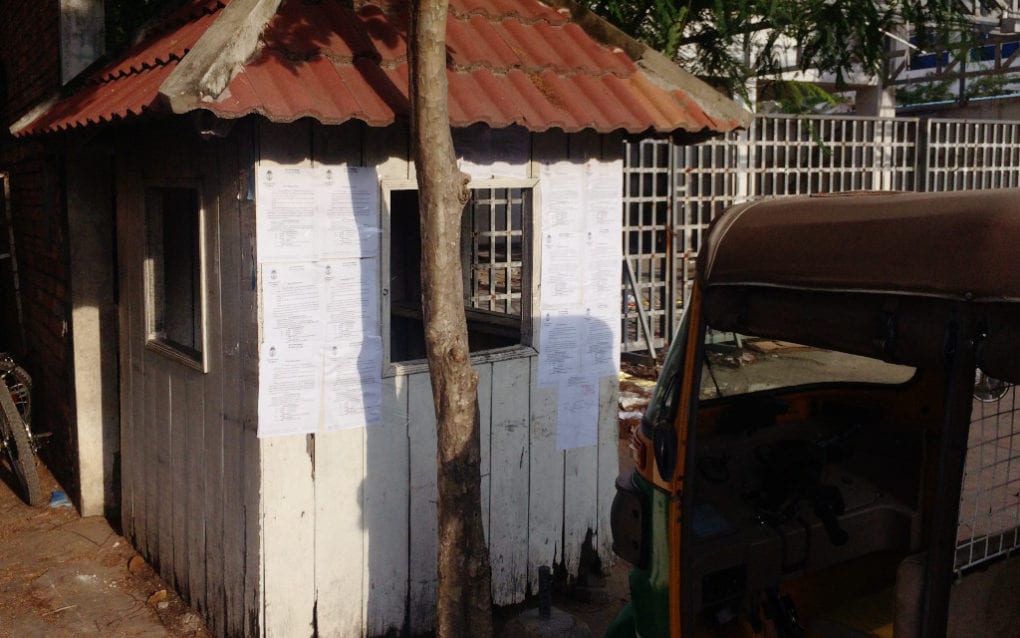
(726, 113)
(228, 114)
(219, 54)
(18, 128)
(233, 39)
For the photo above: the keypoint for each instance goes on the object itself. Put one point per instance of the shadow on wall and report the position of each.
(539, 474)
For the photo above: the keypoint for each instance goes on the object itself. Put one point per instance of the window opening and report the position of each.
(495, 260)
(174, 272)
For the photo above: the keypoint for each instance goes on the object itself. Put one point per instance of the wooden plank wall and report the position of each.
(190, 464)
(348, 540)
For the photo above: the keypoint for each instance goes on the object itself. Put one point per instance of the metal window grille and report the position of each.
(494, 253)
(989, 521)
(971, 155)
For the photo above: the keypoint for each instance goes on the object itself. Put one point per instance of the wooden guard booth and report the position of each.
(171, 153)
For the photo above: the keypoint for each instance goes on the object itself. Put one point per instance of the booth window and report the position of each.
(496, 262)
(173, 273)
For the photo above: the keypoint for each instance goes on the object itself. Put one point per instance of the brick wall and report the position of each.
(30, 54)
(40, 242)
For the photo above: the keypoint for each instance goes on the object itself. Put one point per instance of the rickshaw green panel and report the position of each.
(648, 612)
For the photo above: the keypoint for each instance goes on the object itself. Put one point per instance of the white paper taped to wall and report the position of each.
(579, 329)
(320, 365)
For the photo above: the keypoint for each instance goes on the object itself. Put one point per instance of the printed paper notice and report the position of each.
(351, 299)
(559, 347)
(577, 414)
(604, 194)
(562, 269)
(602, 266)
(348, 199)
(290, 390)
(353, 384)
(292, 306)
(599, 356)
(288, 227)
(562, 186)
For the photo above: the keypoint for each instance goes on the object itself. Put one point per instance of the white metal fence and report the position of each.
(649, 202)
(969, 155)
(989, 523)
(672, 194)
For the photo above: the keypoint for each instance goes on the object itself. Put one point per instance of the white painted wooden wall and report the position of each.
(334, 531)
(349, 517)
(190, 460)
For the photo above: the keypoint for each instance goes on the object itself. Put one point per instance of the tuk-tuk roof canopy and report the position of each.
(961, 245)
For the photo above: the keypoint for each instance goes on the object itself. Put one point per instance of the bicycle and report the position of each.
(16, 439)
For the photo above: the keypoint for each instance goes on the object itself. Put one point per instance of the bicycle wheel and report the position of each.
(19, 449)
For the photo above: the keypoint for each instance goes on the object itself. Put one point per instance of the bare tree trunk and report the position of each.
(464, 599)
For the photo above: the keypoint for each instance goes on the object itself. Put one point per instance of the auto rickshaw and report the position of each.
(800, 468)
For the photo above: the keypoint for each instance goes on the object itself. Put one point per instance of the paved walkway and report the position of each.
(64, 575)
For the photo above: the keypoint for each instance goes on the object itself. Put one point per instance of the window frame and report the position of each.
(154, 341)
(529, 275)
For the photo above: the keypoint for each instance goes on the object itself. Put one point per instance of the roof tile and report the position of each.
(512, 62)
(477, 41)
(166, 43)
(528, 12)
(129, 85)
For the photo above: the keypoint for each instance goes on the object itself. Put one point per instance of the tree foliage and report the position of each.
(125, 17)
(729, 42)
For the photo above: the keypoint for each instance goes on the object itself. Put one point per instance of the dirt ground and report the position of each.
(64, 575)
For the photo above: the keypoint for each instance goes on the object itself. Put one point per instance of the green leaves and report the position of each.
(124, 17)
(732, 42)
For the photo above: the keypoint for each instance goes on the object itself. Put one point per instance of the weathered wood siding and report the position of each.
(334, 532)
(190, 470)
(348, 526)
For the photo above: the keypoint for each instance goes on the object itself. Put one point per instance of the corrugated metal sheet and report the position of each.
(130, 85)
(511, 62)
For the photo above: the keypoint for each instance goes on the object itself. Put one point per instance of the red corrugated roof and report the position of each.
(130, 84)
(511, 62)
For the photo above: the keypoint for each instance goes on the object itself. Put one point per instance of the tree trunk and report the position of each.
(464, 598)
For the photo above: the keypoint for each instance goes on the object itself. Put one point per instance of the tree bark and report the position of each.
(464, 605)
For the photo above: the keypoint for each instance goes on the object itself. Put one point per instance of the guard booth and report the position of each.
(276, 435)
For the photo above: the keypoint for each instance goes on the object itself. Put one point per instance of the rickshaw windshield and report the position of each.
(739, 364)
(663, 405)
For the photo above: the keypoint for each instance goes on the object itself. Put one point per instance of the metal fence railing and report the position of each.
(649, 205)
(673, 192)
(969, 155)
(989, 521)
